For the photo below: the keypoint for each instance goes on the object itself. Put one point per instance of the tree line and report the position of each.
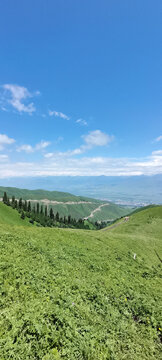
(39, 214)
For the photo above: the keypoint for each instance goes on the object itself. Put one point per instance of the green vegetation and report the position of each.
(75, 294)
(44, 217)
(8, 216)
(79, 207)
(43, 194)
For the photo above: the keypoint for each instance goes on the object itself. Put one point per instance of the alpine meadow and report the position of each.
(80, 180)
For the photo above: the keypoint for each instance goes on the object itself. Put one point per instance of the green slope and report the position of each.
(10, 216)
(76, 210)
(69, 294)
(43, 194)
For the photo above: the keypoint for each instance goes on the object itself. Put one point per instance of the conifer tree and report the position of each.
(37, 207)
(57, 216)
(29, 206)
(13, 201)
(5, 198)
(20, 203)
(51, 214)
(46, 212)
(41, 210)
(25, 206)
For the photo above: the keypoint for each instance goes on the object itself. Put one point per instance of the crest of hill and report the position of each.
(68, 204)
(40, 194)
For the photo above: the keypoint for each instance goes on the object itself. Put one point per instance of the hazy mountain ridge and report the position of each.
(134, 190)
(68, 204)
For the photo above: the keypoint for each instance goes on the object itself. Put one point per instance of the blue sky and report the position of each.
(80, 87)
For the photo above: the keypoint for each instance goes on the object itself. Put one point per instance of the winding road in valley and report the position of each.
(95, 210)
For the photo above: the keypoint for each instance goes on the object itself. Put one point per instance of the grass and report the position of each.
(44, 194)
(74, 294)
(9, 216)
(76, 210)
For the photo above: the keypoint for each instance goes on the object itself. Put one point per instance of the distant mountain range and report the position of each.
(134, 190)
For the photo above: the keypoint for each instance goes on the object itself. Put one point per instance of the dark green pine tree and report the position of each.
(15, 204)
(57, 216)
(29, 206)
(41, 210)
(69, 219)
(46, 212)
(51, 214)
(64, 219)
(13, 201)
(25, 206)
(20, 204)
(5, 198)
(37, 207)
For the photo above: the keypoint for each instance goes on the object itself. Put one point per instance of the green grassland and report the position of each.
(44, 194)
(76, 210)
(80, 295)
(112, 210)
(9, 216)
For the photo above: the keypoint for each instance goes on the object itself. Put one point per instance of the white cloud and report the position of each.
(27, 148)
(58, 114)
(97, 138)
(90, 166)
(157, 152)
(42, 145)
(159, 138)
(3, 157)
(48, 155)
(81, 122)
(92, 139)
(30, 149)
(16, 95)
(5, 140)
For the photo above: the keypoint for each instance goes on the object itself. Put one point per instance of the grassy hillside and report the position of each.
(73, 294)
(43, 194)
(11, 217)
(113, 211)
(76, 210)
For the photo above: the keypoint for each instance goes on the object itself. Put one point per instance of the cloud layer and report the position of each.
(85, 166)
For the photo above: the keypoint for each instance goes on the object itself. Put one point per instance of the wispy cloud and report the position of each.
(30, 149)
(42, 145)
(58, 114)
(17, 97)
(25, 147)
(159, 138)
(81, 122)
(157, 152)
(3, 157)
(5, 140)
(91, 140)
